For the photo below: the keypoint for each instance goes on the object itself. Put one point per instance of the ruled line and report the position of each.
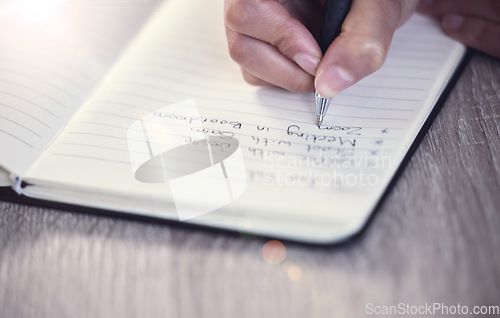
(390, 87)
(20, 125)
(26, 114)
(30, 102)
(34, 90)
(90, 157)
(374, 108)
(38, 79)
(16, 138)
(382, 98)
(44, 69)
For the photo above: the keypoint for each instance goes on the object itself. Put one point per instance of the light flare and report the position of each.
(274, 252)
(34, 12)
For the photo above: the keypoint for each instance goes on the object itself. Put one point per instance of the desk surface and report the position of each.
(435, 239)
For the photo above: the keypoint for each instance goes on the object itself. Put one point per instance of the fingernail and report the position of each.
(452, 22)
(426, 4)
(307, 62)
(332, 81)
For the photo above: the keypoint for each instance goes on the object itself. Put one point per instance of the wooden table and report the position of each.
(435, 239)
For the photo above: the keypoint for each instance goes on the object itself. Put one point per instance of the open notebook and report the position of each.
(157, 121)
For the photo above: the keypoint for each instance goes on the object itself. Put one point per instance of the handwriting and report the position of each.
(267, 142)
(213, 131)
(261, 153)
(330, 150)
(350, 130)
(191, 119)
(234, 124)
(294, 130)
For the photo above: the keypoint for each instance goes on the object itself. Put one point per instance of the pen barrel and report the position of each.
(334, 13)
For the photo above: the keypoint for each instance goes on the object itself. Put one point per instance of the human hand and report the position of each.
(274, 42)
(476, 23)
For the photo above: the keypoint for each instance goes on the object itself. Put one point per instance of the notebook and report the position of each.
(137, 108)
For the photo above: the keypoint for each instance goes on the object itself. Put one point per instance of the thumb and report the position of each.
(361, 47)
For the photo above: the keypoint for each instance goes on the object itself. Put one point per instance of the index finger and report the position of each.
(269, 21)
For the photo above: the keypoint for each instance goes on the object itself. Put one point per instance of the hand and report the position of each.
(274, 42)
(476, 23)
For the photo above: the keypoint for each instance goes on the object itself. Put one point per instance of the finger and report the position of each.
(487, 9)
(253, 80)
(477, 33)
(270, 22)
(265, 62)
(361, 47)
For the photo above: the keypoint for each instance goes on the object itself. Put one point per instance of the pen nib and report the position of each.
(321, 107)
(319, 120)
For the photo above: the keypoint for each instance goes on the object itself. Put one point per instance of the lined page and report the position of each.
(294, 170)
(52, 53)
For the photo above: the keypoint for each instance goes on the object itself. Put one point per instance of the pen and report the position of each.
(334, 14)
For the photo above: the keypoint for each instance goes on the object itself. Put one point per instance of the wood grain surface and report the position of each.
(434, 239)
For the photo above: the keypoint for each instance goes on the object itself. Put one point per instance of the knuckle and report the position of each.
(252, 80)
(395, 11)
(301, 84)
(237, 49)
(284, 45)
(237, 14)
(375, 53)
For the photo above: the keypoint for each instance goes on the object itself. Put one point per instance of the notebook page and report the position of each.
(4, 177)
(177, 76)
(52, 53)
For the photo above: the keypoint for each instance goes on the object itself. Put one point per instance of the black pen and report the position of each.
(334, 14)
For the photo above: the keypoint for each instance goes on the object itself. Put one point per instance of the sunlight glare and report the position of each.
(37, 12)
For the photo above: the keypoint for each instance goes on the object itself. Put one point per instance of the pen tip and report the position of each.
(319, 120)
